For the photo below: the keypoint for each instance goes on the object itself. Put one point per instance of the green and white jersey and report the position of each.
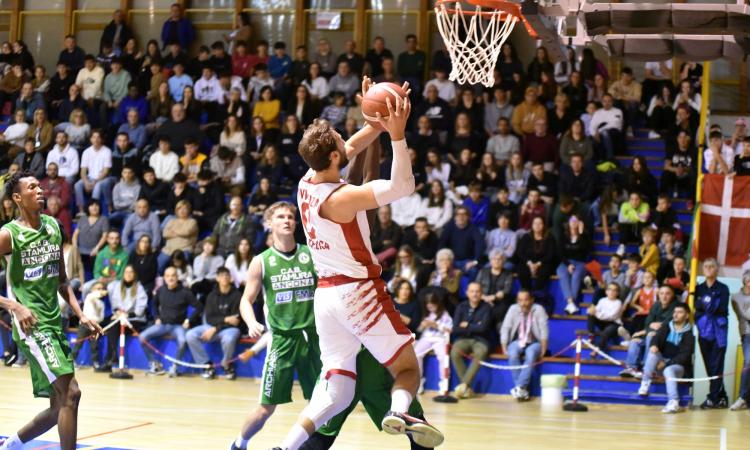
(288, 289)
(32, 271)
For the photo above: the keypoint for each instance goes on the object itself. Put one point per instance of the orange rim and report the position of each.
(509, 10)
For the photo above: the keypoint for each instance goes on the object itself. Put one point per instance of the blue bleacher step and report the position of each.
(645, 151)
(641, 142)
(653, 162)
(624, 397)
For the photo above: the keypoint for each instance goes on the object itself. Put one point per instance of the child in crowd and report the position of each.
(649, 251)
(642, 301)
(604, 318)
(93, 308)
(633, 275)
(336, 112)
(614, 274)
(669, 249)
(478, 205)
(531, 208)
(435, 331)
(742, 160)
(504, 239)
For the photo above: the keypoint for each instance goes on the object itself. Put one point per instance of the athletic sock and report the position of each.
(400, 400)
(12, 443)
(296, 437)
(241, 442)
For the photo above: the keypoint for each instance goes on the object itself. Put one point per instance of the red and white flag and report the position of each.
(725, 219)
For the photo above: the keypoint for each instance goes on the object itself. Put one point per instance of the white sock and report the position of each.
(400, 400)
(13, 442)
(241, 442)
(296, 437)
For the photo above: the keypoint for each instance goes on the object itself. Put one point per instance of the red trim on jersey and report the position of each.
(388, 309)
(343, 372)
(398, 352)
(358, 249)
(338, 280)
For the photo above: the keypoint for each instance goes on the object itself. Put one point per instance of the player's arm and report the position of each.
(26, 319)
(252, 288)
(66, 292)
(344, 203)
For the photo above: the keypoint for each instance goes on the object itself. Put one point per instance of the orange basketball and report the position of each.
(374, 102)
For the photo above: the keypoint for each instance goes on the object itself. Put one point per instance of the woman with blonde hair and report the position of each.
(78, 130)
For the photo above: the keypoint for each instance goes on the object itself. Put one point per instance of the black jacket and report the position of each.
(210, 201)
(579, 250)
(427, 249)
(108, 35)
(156, 195)
(581, 186)
(479, 322)
(681, 354)
(220, 306)
(172, 305)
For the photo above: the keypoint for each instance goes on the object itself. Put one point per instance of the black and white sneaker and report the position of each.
(10, 359)
(420, 431)
(230, 373)
(209, 373)
(156, 369)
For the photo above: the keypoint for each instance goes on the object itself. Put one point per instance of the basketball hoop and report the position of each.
(474, 37)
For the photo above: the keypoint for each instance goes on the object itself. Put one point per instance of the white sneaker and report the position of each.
(672, 407)
(460, 390)
(739, 404)
(621, 250)
(523, 394)
(514, 392)
(623, 333)
(654, 135)
(571, 308)
(645, 386)
(588, 282)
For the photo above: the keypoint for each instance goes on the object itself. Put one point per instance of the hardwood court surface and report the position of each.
(191, 413)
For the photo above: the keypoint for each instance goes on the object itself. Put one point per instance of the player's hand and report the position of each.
(26, 319)
(254, 329)
(208, 334)
(366, 85)
(92, 325)
(398, 115)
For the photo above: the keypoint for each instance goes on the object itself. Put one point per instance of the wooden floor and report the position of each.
(192, 413)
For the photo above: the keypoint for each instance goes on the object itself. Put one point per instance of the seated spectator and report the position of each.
(270, 167)
(192, 162)
(180, 233)
(406, 209)
(165, 162)
(181, 190)
(687, 96)
(90, 234)
(136, 102)
(677, 277)
(470, 105)
(437, 169)
(741, 164)
(524, 336)
(406, 268)
(124, 155)
(96, 164)
(41, 131)
(344, 81)
(154, 191)
(143, 260)
(124, 196)
(577, 92)
(30, 160)
(56, 209)
(54, 185)
(566, 208)
(605, 210)
(660, 115)
(516, 178)
(639, 179)
(172, 301)
(434, 333)
(649, 251)
(741, 306)
(477, 204)
(496, 284)
(160, 105)
(672, 349)
(422, 240)
(434, 108)
(535, 257)
(577, 181)
(406, 305)
(503, 239)
(559, 116)
(220, 61)
(526, 114)
(436, 207)
(533, 207)
(446, 89)
(654, 318)
(386, 236)
(129, 300)
(11, 140)
(222, 324)
(472, 336)
(503, 144)
(640, 302)
(231, 171)
(143, 222)
(718, 157)
(232, 227)
(627, 93)
(633, 275)
(633, 218)
(205, 265)
(463, 172)
(335, 113)
(499, 107)
(238, 262)
(208, 205)
(28, 101)
(541, 147)
(446, 276)
(604, 318)
(268, 108)
(664, 217)
(109, 264)
(10, 85)
(179, 128)
(606, 128)
(64, 158)
(573, 250)
(711, 319)
(575, 142)
(116, 88)
(232, 136)
(679, 168)
(464, 239)
(262, 198)
(77, 130)
(178, 81)
(591, 108)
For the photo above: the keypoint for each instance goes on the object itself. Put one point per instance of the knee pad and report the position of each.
(330, 398)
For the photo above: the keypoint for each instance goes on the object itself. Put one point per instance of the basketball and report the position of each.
(374, 102)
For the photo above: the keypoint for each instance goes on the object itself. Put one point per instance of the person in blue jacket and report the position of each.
(711, 318)
(177, 28)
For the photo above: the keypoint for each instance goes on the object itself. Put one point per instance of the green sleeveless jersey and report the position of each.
(33, 268)
(288, 289)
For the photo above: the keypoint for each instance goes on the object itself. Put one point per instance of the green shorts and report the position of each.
(49, 355)
(290, 351)
(374, 384)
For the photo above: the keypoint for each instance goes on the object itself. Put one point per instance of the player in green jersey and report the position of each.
(32, 246)
(286, 275)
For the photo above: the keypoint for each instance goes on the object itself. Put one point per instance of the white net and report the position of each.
(474, 39)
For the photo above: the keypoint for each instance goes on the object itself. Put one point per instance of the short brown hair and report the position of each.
(317, 144)
(268, 214)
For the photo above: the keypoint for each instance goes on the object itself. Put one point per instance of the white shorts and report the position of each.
(358, 313)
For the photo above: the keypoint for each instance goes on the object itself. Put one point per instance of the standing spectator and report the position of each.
(411, 64)
(72, 55)
(232, 227)
(172, 301)
(496, 286)
(55, 185)
(116, 33)
(143, 222)
(527, 113)
(222, 324)
(508, 64)
(606, 128)
(64, 157)
(603, 319)
(165, 162)
(627, 92)
(541, 63)
(96, 164)
(524, 336)
(711, 318)
(91, 234)
(574, 250)
(671, 352)
(535, 257)
(375, 56)
(356, 60)
(464, 239)
(741, 306)
(177, 28)
(472, 333)
(242, 34)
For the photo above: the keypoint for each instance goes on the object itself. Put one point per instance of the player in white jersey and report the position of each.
(352, 307)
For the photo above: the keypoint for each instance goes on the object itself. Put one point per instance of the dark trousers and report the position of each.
(538, 283)
(630, 233)
(671, 184)
(713, 359)
(602, 331)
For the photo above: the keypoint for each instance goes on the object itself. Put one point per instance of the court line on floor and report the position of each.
(116, 430)
(722, 438)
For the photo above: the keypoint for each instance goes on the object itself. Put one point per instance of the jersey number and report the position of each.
(305, 213)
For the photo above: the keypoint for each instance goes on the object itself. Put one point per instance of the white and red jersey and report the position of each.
(340, 251)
